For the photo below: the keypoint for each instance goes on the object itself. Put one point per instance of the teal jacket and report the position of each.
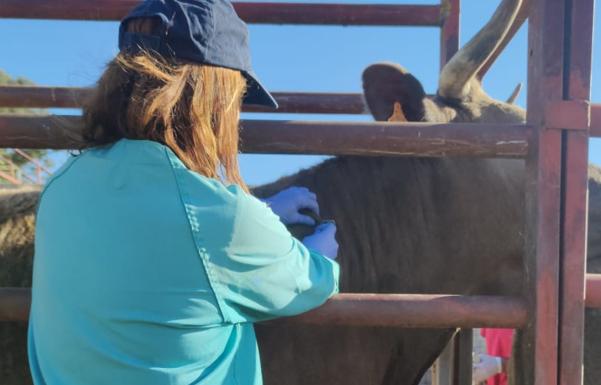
(148, 273)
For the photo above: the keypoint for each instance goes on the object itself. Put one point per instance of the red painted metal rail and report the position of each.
(449, 31)
(400, 310)
(43, 97)
(419, 310)
(296, 137)
(259, 12)
(408, 310)
(578, 44)
(290, 102)
(543, 195)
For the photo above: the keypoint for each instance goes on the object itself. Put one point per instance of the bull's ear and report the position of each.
(387, 84)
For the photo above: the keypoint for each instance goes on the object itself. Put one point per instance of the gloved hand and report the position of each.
(287, 203)
(323, 240)
(487, 366)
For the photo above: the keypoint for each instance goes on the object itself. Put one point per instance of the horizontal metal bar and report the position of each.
(43, 97)
(419, 310)
(385, 139)
(296, 137)
(568, 115)
(257, 13)
(405, 310)
(290, 102)
(595, 120)
(593, 291)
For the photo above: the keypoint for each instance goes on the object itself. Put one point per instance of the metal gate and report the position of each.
(553, 141)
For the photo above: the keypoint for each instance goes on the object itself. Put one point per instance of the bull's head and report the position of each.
(393, 94)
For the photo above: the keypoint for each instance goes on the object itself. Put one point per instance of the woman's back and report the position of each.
(126, 240)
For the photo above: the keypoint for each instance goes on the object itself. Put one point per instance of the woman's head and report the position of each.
(193, 109)
(180, 79)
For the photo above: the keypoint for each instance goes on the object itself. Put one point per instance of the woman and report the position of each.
(152, 260)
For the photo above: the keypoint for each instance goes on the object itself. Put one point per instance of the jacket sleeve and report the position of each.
(265, 272)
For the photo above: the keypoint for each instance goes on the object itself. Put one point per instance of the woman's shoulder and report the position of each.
(194, 184)
(129, 152)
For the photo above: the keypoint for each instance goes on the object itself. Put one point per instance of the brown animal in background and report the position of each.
(17, 218)
(419, 226)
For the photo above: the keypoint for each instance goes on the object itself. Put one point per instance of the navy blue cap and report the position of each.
(200, 31)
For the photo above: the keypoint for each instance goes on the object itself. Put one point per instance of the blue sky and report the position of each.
(287, 58)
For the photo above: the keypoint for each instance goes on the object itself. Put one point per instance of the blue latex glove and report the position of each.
(287, 203)
(323, 240)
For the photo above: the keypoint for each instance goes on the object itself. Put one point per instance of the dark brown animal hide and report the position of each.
(17, 212)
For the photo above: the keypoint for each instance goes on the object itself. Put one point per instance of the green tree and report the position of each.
(17, 159)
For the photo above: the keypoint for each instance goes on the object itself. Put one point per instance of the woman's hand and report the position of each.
(323, 240)
(287, 203)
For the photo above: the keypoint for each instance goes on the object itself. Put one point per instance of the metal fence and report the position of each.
(553, 141)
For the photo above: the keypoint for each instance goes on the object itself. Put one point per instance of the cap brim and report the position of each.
(256, 94)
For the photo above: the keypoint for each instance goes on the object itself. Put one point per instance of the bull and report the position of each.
(405, 225)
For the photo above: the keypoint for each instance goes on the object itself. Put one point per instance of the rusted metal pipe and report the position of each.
(593, 291)
(385, 139)
(315, 103)
(258, 13)
(296, 137)
(406, 310)
(419, 310)
(567, 115)
(290, 102)
(340, 14)
(491, 311)
(449, 33)
(42, 97)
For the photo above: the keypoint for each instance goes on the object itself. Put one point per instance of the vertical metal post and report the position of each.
(577, 82)
(462, 343)
(462, 371)
(543, 194)
(449, 30)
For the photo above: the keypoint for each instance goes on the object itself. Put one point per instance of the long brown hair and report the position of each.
(194, 109)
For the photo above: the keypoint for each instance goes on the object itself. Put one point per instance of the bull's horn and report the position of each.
(514, 95)
(464, 65)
